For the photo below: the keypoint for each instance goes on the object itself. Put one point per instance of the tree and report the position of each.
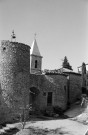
(22, 116)
(66, 64)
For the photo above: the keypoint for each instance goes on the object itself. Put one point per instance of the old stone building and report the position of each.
(74, 85)
(50, 90)
(22, 81)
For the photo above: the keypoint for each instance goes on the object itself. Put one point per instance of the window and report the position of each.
(36, 63)
(44, 93)
(49, 99)
(83, 90)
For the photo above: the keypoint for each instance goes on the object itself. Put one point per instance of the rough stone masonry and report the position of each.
(14, 78)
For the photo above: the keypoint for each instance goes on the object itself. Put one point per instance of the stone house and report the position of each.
(52, 87)
(74, 85)
(48, 90)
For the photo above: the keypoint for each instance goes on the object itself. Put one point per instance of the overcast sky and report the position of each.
(61, 27)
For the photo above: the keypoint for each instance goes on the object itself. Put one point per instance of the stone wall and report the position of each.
(75, 83)
(57, 84)
(14, 77)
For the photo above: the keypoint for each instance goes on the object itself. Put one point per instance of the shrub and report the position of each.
(47, 112)
(58, 110)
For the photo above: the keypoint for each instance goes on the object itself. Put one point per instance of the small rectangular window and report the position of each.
(49, 99)
(44, 93)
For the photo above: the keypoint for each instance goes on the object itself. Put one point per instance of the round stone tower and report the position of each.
(14, 76)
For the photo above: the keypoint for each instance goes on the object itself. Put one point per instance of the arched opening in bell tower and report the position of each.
(36, 63)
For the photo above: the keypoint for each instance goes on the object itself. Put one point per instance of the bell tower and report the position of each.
(35, 58)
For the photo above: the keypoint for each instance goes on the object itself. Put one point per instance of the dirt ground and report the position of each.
(54, 127)
(69, 126)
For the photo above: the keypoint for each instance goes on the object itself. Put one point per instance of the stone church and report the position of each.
(54, 89)
(22, 81)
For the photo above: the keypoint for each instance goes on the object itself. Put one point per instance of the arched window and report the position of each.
(36, 63)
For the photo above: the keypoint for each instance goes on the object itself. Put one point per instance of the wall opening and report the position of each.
(49, 99)
(36, 63)
(84, 91)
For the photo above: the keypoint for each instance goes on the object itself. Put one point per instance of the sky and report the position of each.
(61, 27)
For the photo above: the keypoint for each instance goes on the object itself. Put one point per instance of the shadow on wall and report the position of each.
(34, 92)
